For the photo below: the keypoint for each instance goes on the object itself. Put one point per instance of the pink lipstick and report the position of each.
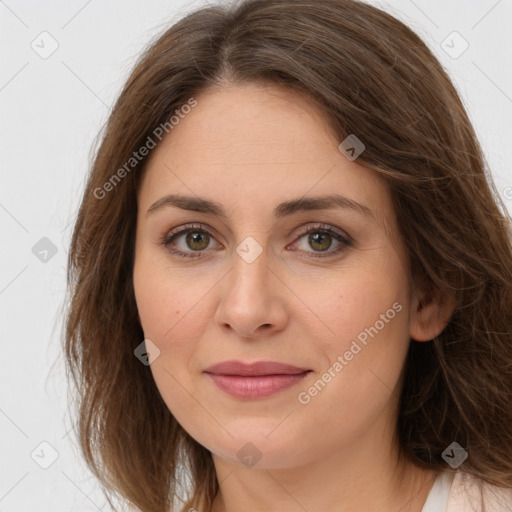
(255, 380)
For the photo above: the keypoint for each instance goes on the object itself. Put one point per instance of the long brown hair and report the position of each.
(373, 77)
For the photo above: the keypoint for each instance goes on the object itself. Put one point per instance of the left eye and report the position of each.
(197, 239)
(322, 238)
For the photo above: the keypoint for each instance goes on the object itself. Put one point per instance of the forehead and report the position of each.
(255, 143)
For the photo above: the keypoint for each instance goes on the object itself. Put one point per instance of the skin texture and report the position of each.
(250, 147)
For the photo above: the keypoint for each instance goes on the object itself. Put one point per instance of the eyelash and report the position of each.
(197, 228)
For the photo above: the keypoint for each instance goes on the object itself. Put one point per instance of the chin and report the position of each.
(255, 448)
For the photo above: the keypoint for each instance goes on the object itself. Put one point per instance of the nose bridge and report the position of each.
(249, 298)
(249, 273)
(250, 261)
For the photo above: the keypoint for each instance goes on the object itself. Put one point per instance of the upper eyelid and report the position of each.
(323, 226)
(301, 230)
(190, 227)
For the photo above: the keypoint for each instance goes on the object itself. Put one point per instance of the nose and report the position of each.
(252, 299)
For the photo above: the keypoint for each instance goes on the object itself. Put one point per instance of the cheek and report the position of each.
(175, 323)
(172, 316)
(359, 302)
(174, 311)
(364, 345)
(170, 303)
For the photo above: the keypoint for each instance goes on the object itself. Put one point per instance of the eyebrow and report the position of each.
(203, 205)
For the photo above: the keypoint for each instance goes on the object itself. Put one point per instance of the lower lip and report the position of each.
(255, 387)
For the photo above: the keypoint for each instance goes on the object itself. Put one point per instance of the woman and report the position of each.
(291, 275)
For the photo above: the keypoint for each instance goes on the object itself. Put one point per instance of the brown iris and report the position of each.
(320, 240)
(197, 240)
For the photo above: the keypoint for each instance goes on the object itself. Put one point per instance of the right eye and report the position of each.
(195, 239)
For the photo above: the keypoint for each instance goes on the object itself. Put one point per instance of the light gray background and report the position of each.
(51, 111)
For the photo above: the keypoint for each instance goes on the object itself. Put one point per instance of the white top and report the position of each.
(437, 499)
(462, 492)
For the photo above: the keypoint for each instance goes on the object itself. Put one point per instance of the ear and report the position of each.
(430, 316)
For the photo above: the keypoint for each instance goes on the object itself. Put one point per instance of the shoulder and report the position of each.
(471, 494)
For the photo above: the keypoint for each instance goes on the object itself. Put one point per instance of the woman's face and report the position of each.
(257, 278)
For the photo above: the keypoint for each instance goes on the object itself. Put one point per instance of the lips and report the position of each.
(255, 380)
(261, 368)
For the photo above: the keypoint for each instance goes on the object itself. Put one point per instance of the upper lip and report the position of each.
(259, 368)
